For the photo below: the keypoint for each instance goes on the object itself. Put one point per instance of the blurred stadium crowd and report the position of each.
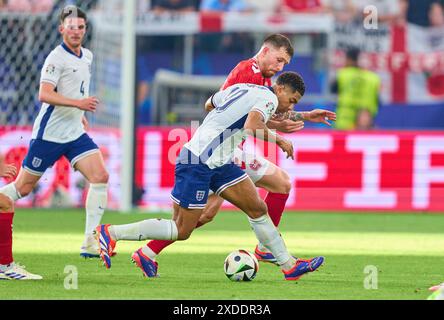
(421, 12)
(412, 95)
(27, 36)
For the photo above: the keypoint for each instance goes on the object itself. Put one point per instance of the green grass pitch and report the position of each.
(407, 251)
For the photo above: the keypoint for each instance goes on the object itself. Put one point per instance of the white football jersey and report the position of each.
(71, 75)
(223, 128)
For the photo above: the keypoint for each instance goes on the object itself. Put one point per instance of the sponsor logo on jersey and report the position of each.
(36, 162)
(200, 195)
(255, 68)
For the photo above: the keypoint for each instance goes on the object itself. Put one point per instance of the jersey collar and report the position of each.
(271, 89)
(67, 49)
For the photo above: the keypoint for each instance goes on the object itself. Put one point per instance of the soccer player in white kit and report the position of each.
(206, 163)
(59, 129)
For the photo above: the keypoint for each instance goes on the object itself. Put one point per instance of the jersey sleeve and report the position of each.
(52, 69)
(217, 99)
(266, 105)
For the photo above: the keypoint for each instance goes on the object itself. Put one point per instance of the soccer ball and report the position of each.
(241, 265)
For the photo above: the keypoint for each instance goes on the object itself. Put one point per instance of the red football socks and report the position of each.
(6, 238)
(276, 205)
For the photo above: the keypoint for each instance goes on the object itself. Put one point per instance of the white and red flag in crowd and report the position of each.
(409, 59)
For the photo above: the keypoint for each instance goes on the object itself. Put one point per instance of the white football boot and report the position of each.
(90, 248)
(14, 271)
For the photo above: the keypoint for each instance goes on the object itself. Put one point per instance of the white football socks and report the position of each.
(155, 229)
(269, 236)
(10, 191)
(262, 248)
(95, 206)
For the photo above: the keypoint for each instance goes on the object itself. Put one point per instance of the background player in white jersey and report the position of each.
(205, 163)
(59, 129)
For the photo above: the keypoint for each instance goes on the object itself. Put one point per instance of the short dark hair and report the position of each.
(72, 12)
(278, 41)
(293, 80)
(353, 54)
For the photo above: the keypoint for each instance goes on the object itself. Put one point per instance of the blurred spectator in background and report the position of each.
(342, 10)
(224, 42)
(144, 80)
(358, 95)
(224, 5)
(264, 6)
(19, 6)
(161, 6)
(301, 5)
(419, 11)
(436, 14)
(388, 10)
(34, 6)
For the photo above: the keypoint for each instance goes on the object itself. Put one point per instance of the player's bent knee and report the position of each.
(204, 219)
(285, 182)
(258, 210)
(286, 186)
(100, 177)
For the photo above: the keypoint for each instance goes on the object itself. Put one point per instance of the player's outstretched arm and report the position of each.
(255, 126)
(48, 95)
(285, 125)
(316, 115)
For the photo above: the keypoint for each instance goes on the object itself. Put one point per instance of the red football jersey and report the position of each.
(247, 71)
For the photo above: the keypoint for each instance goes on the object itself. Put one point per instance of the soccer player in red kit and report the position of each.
(275, 53)
(8, 268)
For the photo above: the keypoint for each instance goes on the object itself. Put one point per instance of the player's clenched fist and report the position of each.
(88, 104)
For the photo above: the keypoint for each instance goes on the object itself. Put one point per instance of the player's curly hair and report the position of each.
(71, 11)
(292, 79)
(278, 41)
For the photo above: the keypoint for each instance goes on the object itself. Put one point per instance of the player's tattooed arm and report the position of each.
(320, 116)
(297, 116)
(292, 115)
(282, 123)
(316, 115)
(255, 126)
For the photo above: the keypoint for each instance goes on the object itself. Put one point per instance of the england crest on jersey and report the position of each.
(36, 162)
(200, 195)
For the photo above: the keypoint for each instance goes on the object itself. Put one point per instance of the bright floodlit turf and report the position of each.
(406, 250)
